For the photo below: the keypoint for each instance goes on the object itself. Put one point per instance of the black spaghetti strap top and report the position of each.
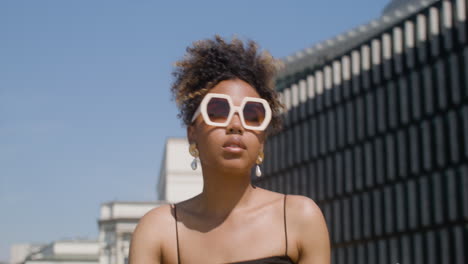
(285, 259)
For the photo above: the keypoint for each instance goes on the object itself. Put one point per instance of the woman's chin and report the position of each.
(236, 166)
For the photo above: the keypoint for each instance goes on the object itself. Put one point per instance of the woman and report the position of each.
(225, 91)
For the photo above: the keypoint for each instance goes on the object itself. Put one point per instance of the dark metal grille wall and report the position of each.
(384, 152)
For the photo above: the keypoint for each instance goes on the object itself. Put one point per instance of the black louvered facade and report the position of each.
(378, 137)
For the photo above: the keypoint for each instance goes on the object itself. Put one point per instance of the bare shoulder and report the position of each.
(151, 231)
(307, 223)
(159, 215)
(302, 209)
(149, 226)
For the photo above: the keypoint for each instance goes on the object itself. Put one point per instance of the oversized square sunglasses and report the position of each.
(218, 110)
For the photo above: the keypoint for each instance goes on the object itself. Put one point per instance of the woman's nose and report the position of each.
(235, 126)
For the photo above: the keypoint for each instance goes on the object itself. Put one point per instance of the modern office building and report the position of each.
(376, 132)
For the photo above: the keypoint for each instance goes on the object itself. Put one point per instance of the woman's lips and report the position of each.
(234, 145)
(233, 149)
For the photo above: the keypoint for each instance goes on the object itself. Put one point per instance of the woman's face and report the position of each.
(232, 148)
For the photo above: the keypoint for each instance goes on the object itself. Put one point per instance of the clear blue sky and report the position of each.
(85, 106)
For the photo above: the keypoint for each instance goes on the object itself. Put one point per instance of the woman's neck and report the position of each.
(224, 192)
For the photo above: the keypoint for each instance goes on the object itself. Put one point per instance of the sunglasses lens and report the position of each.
(218, 110)
(254, 114)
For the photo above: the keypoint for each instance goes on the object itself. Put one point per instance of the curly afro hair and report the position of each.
(211, 61)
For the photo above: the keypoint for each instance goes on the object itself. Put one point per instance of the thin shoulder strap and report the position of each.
(285, 229)
(177, 233)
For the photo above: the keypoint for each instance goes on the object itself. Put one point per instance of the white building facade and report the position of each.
(118, 219)
(19, 252)
(177, 180)
(117, 222)
(66, 252)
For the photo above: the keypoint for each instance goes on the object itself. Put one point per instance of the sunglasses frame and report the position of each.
(202, 109)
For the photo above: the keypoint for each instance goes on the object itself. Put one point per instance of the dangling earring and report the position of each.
(194, 152)
(259, 161)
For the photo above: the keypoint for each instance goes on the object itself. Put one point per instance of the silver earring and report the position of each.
(258, 171)
(194, 152)
(194, 164)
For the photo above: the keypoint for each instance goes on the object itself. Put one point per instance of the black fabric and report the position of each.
(177, 234)
(268, 260)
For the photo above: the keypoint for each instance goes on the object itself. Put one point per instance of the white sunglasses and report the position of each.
(218, 110)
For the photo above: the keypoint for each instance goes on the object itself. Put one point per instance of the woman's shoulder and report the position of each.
(296, 204)
(303, 213)
(302, 207)
(307, 225)
(297, 207)
(158, 216)
(152, 230)
(150, 224)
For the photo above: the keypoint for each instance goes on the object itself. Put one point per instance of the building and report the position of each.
(19, 252)
(66, 252)
(177, 180)
(118, 219)
(376, 132)
(116, 225)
